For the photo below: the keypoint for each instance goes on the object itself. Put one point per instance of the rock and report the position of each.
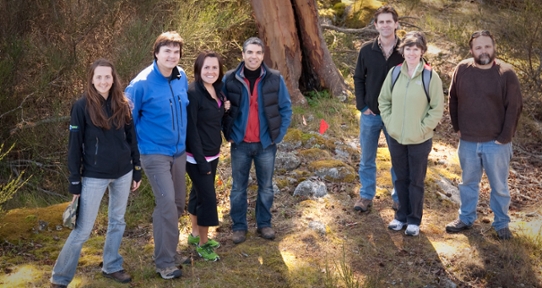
(276, 189)
(288, 161)
(318, 227)
(451, 192)
(311, 188)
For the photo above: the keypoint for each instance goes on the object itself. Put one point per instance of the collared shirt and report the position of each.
(387, 54)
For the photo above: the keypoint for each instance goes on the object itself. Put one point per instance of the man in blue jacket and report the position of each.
(158, 95)
(375, 59)
(261, 111)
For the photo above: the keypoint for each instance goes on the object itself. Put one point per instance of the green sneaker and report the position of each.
(207, 252)
(194, 240)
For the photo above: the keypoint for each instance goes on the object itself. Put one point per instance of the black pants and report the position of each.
(410, 165)
(202, 200)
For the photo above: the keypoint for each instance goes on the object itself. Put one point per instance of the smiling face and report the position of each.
(413, 55)
(102, 80)
(210, 70)
(385, 25)
(483, 51)
(253, 56)
(167, 58)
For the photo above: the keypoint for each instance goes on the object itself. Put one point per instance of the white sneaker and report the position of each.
(396, 225)
(412, 230)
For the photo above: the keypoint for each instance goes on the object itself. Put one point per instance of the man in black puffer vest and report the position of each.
(261, 112)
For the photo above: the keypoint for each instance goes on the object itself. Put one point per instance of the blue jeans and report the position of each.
(92, 192)
(242, 155)
(495, 160)
(369, 132)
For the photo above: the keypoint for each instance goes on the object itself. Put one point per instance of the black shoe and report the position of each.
(53, 285)
(456, 226)
(119, 276)
(504, 234)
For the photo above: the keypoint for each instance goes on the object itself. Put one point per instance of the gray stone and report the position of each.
(318, 227)
(311, 188)
(288, 161)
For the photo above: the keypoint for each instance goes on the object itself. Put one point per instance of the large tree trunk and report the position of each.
(316, 55)
(277, 27)
(296, 47)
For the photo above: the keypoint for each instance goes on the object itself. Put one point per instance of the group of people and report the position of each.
(398, 93)
(166, 127)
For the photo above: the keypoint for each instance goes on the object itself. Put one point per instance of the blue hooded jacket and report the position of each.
(159, 110)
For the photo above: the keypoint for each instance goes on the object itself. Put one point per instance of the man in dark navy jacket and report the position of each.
(261, 111)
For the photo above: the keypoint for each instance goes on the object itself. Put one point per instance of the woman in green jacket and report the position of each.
(410, 112)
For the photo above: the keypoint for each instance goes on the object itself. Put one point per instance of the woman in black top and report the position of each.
(206, 112)
(102, 154)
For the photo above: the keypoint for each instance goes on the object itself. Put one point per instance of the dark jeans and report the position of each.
(202, 200)
(410, 165)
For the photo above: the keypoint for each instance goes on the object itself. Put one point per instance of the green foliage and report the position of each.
(9, 187)
(315, 97)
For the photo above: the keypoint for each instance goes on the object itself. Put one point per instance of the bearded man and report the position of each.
(485, 105)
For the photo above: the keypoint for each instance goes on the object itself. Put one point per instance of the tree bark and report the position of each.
(317, 57)
(296, 46)
(277, 28)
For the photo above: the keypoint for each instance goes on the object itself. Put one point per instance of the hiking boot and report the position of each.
(504, 234)
(266, 233)
(194, 240)
(53, 285)
(412, 230)
(180, 260)
(363, 204)
(169, 273)
(396, 225)
(456, 226)
(395, 206)
(239, 236)
(207, 253)
(119, 276)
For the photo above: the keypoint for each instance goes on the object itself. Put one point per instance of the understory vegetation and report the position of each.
(46, 47)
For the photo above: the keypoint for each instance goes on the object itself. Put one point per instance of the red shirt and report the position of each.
(252, 134)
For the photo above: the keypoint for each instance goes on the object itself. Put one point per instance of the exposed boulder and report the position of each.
(311, 188)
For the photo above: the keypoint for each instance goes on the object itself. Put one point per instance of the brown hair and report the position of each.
(198, 65)
(413, 38)
(479, 33)
(119, 103)
(386, 9)
(166, 39)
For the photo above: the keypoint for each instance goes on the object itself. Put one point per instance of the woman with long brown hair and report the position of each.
(102, 153)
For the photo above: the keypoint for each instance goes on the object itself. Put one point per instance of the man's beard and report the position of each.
(484, 59)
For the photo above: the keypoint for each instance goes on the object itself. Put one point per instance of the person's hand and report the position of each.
(135, 185)
(459, 134)
(227, 105)
(75, 196)
(497, 142)
(368, 112)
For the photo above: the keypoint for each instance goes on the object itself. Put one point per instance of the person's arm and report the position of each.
(193, 140)
(384, 100)
(285, 110)
(436, 104)
(453, 102)
(359, 82)
(135, 96)
(513, 105)
(131, 138)
(75, 147)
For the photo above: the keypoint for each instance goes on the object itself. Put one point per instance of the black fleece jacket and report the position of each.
(99, 153)
(205, 121)
(371, 70)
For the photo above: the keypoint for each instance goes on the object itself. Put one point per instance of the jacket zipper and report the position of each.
(404, 112)
(96, 152)
(172, 114)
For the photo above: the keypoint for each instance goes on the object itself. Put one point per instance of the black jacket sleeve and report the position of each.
(131, 138)
(75, 145)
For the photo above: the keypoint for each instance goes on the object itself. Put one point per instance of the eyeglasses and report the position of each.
(481, 33)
